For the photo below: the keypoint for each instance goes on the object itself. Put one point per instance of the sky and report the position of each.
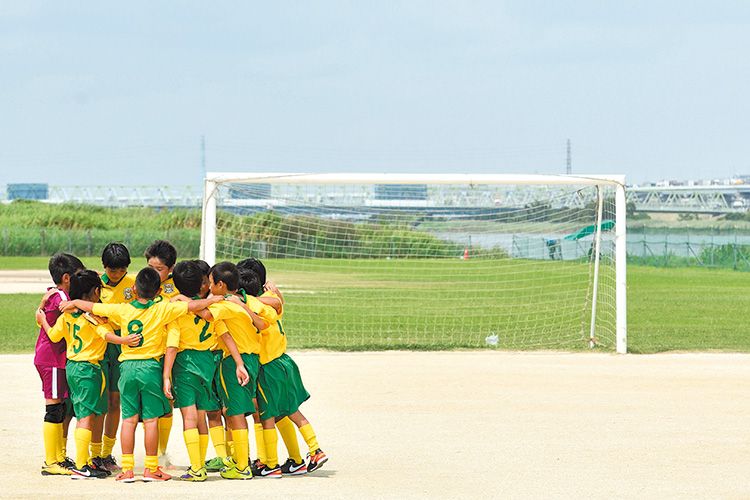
(97, 92)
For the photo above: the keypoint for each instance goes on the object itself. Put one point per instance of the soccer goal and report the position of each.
(431, 261)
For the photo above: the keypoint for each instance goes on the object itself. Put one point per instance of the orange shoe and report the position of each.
(126, 476)
(157, 475)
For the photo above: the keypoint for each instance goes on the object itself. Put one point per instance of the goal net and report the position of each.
(431, 261)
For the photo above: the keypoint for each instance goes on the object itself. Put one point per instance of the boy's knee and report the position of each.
(55, 413)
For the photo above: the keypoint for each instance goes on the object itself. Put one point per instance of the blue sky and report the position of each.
(104, 92)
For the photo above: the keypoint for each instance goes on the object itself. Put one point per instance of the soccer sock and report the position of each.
(260, 443)
(83, 439)
(288, 433)
(272, 455)
(192, 442)
(107, 444)
(165, 427)
(241, 444)
(96, 449)
(128, 462)
(51, 441)
(217, 438)
(309, 435)
(61, 444)
(203, 440)
(151, 463)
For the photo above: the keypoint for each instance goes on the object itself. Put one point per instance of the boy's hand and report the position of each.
(133, 339)
(168, 388)
(40, 317)
(180, 298)
(235, 299)
(46, 297)
(270, 286)
(67, 306)
(242, 376)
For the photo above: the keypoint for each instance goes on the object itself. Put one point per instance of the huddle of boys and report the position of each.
(160, 337)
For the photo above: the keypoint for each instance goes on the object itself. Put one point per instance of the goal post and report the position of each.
(523, 261)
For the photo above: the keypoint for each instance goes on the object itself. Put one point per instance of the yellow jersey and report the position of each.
(240, 325)
(149, 320)
(86, 342)
(193, 332)
(273, 338)
(122, 292)
(168, 289)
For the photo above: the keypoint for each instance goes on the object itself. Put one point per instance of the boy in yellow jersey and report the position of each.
(86, 347)
(140, 369)
(118, 287)
(280, 394)
(161, 256)
(244, 323)
(189, 368)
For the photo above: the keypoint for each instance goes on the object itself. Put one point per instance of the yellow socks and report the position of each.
(165, 427)
(128, 462)
(51, 441)
(151, 463)
(241, 445)
(288, 433)
(272, 455)
(108, 444)
(96, 449)
(83, 440)
(309, 436)
(192, 442)
(217, 438)
(61, 444)
(259, 443)
(203, 440)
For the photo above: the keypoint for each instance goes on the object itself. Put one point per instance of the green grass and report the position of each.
(447, 304)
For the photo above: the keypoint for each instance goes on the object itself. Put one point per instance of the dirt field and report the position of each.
(468, 424)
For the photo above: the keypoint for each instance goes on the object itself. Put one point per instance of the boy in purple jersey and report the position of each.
(49, 360)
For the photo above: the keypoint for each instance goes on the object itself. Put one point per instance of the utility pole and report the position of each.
(203, 156)
(569, 163)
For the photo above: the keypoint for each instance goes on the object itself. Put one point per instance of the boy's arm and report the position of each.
(167, 375)
(242, 376)
(57, 332)
(258, 322)
(270, 286)
(197, 305)
(274, 302)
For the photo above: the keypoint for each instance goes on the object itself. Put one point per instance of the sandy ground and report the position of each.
(469, 424)
(459, 425)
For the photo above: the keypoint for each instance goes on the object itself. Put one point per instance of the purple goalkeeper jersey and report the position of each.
(48, 353)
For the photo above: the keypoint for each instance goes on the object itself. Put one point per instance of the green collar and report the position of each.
(105, 279)
(76, 315)
(140, 305)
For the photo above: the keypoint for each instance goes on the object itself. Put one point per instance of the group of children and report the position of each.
(119, 349)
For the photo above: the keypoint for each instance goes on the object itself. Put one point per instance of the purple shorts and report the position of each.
(54, 383)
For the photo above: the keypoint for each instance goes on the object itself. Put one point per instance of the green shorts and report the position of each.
(112, 371)
(192, 378)
(280, 388)
(141, 390)
(238, 399)
(87, 388)
(216, 389)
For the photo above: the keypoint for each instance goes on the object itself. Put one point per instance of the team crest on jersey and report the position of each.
(169, 288)
(128, 293)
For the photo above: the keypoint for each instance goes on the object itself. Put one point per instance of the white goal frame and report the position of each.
(214, 179)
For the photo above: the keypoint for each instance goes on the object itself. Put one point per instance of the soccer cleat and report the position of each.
(126, 476)
(266, 471)
(110, 464)
(68, 463)
(235, 473)
(292, 468)
(55, 469)
(255, 466)
(316, 460)
(88, 472)
(196, 476)
(157, 475)
(98, 464)
(216, 464)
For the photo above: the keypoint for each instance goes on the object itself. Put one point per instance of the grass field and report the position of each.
(411, 304)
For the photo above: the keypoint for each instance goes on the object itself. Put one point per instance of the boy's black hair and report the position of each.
(164, 251)
(83, 282)
(205, 268)
(147, 283)
(226, 272)
(115, 256)
(254, 265)
(250, 282)
(63, 263)
(188, 277)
